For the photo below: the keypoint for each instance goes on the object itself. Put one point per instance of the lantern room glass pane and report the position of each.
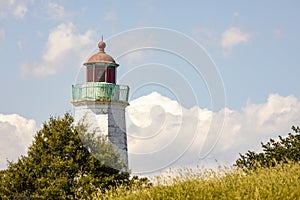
(90, 74)
(99, 74)
(111, 75)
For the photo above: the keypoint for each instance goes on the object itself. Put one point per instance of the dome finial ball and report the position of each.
(101, 45)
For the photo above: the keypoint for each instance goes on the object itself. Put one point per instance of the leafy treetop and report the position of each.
(58, 166)
(283, 150)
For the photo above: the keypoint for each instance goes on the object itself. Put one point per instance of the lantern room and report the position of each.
(101, 67)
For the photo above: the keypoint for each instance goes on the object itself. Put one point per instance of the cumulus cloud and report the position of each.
(234, 36)
(16, 134)
(162, 133)
(245, 129)
(63, 45)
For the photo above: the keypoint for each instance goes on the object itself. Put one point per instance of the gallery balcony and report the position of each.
(99, 91)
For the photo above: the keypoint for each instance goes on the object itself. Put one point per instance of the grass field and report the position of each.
(280, 182)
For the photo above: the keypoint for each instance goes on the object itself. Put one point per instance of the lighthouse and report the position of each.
(102, 102)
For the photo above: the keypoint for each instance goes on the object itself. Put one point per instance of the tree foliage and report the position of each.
(59, 166)
(283, 150)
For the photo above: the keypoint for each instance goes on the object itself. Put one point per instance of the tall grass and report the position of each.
(280, 182)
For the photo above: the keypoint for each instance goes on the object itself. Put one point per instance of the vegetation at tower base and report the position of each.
(279, 182)
(281, 151)
(276, 176)
(58, 166)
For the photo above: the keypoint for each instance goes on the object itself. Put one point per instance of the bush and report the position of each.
(284, 150)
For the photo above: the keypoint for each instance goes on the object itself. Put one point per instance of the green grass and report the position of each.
(280, 182)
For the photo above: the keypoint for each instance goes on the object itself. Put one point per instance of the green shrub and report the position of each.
(273, 152)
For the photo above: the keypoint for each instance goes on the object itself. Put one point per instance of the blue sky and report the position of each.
(254, 45)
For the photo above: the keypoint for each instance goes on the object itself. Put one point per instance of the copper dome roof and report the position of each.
(101, 56)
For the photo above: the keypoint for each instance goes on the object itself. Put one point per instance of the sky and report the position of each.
(208, 79)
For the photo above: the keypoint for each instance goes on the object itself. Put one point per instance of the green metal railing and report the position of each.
(100, 91)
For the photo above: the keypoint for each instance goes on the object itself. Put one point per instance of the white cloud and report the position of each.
(13, 8)
(234, 36)
(16, 134)
(160, 130)
(20, 11)
(63, 46)
(110, 15)
(56, 11)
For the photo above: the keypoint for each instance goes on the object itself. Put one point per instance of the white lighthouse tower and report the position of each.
(102, 102)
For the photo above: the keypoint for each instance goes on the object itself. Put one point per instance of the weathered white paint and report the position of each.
(107, 118)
